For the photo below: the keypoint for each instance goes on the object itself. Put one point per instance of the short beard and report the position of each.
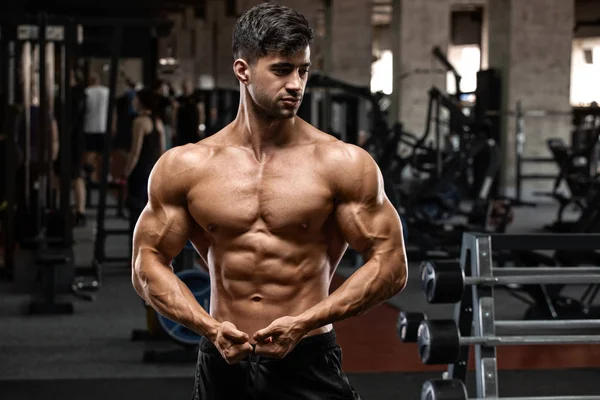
(268, 114)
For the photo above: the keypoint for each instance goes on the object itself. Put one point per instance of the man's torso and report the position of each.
(269, 233)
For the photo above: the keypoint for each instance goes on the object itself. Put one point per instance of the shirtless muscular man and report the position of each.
(270, 204)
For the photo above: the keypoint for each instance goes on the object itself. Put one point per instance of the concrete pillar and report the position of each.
(423, 25)
(530, 42)
(352, 38)
(222, 30)
(204, 55)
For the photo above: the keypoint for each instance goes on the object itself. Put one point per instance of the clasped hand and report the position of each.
(275, 341)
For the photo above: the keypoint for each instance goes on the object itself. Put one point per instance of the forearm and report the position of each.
(156, 283)
(381, 278)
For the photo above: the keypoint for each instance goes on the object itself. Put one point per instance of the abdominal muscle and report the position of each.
(252, 287)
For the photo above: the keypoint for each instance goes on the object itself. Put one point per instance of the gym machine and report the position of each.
(33, 218)
(474, 323)
(349, 104)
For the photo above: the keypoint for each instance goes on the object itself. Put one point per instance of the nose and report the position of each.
(294, 84)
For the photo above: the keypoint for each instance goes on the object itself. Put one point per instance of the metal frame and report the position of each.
(476, 310)
(9, 54)
(15, 33)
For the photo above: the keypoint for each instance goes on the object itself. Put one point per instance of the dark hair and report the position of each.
(148, 100)
(269, 28)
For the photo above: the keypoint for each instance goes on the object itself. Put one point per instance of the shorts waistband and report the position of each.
(324, 341)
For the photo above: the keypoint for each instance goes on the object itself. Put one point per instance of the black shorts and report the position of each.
(94, 142)
(313, 370)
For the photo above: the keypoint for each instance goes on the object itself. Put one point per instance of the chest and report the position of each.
(280, 194)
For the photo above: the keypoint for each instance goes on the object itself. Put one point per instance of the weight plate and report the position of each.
(438, 341)
(199, 284)
(442, 282)
(408, 326)
(444, 389)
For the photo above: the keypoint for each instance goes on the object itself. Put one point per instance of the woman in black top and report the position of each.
(147, 145)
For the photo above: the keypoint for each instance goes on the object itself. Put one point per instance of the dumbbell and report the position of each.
(444, 389)
(408, 326)
(445, 281)
(439, 341)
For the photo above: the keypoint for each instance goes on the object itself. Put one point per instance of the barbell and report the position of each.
(445, 281)
(439, 341)
(454, 389)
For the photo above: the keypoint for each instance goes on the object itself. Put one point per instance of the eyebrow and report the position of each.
(289, 65)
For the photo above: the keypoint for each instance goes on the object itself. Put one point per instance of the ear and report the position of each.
(241, 69)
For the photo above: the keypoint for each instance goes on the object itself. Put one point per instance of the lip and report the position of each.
(292, 101)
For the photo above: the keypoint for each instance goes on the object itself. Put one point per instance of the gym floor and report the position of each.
(90, 355)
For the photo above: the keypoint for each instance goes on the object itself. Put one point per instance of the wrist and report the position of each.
(306, 322)
(208, 327)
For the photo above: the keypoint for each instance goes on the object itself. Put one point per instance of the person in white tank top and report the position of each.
(94, 122)
(97, 108)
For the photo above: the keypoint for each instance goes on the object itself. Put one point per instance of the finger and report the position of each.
(233, 334)
(237, 353)
(262, 335)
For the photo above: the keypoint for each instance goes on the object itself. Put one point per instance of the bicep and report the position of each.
(365, 216)
(162, 229)
(370, 228)
(165, 225)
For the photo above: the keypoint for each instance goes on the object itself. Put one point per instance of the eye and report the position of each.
(303, 72)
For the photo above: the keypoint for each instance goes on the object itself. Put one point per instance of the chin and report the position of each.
(285, 114)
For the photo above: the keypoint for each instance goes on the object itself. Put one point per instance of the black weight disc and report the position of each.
(443, 282)
(199, 284)
(408, 326)
(444, 389)
(438, 341)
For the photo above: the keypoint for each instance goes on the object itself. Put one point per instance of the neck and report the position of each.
(260, 132)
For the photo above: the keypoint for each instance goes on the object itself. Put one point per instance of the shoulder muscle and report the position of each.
(355, 175)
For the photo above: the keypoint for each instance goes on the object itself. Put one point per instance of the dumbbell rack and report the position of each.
(474, 314)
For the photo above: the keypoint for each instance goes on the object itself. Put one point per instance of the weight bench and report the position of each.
(50, 261)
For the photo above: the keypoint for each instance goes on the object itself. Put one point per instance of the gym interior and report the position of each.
(482, 116)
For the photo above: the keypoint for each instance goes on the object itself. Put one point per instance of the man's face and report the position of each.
(277, 83)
